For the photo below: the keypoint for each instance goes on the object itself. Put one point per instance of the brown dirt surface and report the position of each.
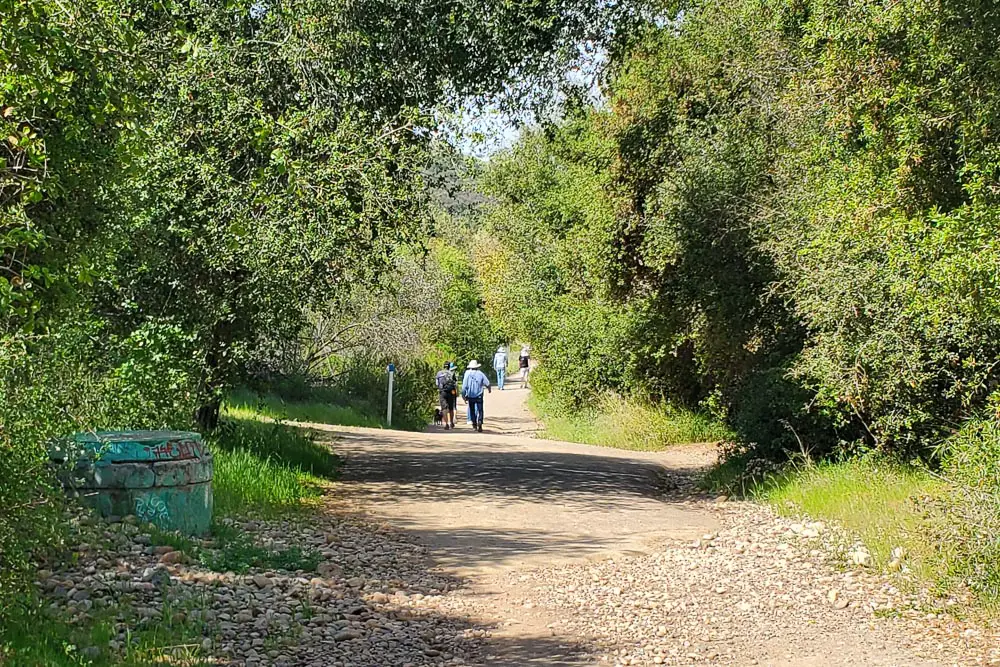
(569, 554)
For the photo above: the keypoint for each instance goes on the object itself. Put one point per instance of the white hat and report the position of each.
(473, 364)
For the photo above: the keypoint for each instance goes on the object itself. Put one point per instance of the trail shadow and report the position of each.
(470, 548)
(504, 425)
(589, 481)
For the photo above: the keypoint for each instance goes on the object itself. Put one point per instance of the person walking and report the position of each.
(500, 365)
(473, 383)
(447, 385)
(524, 362)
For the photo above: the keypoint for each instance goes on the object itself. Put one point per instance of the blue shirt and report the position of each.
(474, 382)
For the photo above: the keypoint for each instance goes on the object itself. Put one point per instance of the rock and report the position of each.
(161, 550)
(841, 603)
(329, 570)
(346, 635)
(721, 499)
(860, 556)
(172, 558)
(262, 582)
(356, 582)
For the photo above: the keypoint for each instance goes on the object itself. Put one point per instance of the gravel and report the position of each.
(762, 590)
(366, 605)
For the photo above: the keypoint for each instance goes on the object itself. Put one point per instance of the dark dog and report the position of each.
(438, 417)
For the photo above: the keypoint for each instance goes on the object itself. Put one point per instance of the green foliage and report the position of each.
(465, 331)
(63, 110)
(972, 461)
(787, 207)
(56, 385)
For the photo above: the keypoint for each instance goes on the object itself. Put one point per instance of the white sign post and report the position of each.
(388, 410)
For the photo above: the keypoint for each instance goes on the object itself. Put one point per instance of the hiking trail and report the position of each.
(578, 555)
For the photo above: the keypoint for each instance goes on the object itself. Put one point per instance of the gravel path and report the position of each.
(458, 548)
(577, 555)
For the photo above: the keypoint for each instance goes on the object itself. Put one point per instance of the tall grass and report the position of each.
(884, 505)
(247, 405)
(626, 424)
(267, 469)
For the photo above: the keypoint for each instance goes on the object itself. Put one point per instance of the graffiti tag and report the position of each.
(177, 450)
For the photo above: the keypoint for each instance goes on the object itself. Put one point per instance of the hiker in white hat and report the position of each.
(473, 383)
(500, 365)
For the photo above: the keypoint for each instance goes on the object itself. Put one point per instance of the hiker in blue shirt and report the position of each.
(500, 365)
(473, 383)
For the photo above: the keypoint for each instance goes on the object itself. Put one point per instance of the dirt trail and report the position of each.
(578, 555)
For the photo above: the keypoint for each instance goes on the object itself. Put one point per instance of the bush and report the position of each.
(972, 459)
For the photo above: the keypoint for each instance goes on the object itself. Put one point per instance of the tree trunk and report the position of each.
(207, 416)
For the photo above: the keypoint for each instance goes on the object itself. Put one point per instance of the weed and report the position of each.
(238, 554)
(885, 505)
(267, 469)
(283, 444)
(38, 637)
(245, 483)
(179, 541)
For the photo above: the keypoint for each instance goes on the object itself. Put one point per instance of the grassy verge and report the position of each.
(893, 510)
(625, 424)
(34, 638)
(886, 506)
(244, 404)
(265, 469)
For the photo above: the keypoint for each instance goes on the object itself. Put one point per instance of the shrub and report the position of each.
(972, 459)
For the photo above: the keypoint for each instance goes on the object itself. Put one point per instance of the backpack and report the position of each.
(448, 383)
